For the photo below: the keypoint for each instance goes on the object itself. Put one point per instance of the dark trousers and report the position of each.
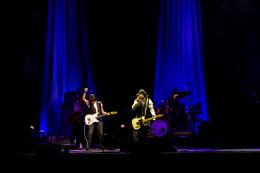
(99, 126)
(142, 135)
(145, 136)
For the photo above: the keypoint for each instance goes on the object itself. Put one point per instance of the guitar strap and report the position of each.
(99, 110)
(145, 105)
(94, 108)
(99, 107)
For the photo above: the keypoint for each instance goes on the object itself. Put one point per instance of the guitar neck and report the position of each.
(99, 116)
(148, 119)
(112, 113)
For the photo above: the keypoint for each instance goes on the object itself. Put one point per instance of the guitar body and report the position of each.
(91, 118)
(137, 122)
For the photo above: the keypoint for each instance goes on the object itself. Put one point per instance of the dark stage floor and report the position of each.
(66, 158)
(182, 154)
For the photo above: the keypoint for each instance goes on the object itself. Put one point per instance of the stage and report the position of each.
(183, 154)
(209, 159)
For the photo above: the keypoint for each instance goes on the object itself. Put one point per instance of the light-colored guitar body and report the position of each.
(137, 122)
(92, 118)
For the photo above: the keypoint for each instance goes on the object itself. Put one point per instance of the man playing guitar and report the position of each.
(94, 107)
(143, 107)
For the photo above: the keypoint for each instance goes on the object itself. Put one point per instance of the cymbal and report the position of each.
(183, 94)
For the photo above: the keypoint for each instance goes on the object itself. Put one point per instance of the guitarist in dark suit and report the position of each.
(94, 106)
(143, 108)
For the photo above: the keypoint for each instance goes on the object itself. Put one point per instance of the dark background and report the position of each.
(231, 51)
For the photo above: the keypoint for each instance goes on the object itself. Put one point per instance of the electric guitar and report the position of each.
(92, 118)
(136, 122)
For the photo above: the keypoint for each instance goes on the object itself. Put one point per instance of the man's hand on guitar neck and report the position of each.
(143, 118)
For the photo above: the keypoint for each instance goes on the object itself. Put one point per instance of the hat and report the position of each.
(142, 91)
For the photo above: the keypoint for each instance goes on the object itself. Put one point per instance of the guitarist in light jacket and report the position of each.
(143, 109)
(94, 106)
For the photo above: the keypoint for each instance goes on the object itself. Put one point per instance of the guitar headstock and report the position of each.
(113, 113)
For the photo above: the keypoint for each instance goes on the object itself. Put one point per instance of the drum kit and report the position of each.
(162, 127)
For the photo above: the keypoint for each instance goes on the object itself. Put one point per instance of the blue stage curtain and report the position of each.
(67, 66)
(179, 57)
